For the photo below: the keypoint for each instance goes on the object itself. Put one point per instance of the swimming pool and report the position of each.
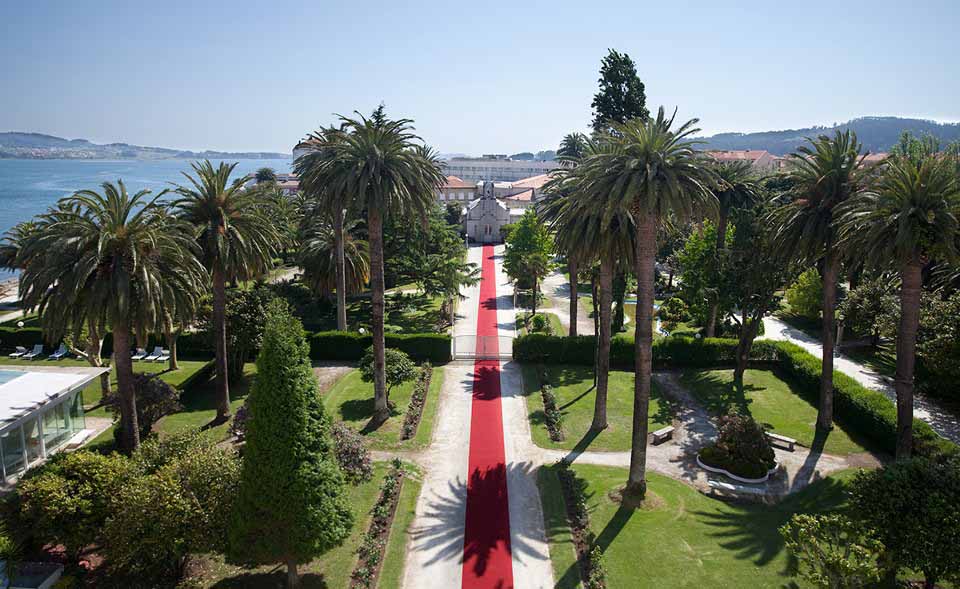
(8, 375)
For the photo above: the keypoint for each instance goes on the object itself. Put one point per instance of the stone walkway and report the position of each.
(943, 421)
(556, 286)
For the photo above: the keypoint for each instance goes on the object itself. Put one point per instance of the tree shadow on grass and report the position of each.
(269, 580)
(715, 394)
(751, 531)
(353, 410)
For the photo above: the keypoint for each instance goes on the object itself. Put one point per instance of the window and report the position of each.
(75, 413)
(31, 435)
(55, 429)
(12, 446)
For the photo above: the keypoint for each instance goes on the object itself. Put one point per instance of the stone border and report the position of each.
(739, 479)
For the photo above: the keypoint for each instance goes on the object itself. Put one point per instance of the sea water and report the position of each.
(30, 187)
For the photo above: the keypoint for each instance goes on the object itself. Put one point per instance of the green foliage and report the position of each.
(155, 398)
(245, 313)
(353, 456)
(399, 367)
(621, 96)
(181, 505)
(68, 500)
(673, 310)
(871, 309)
(913, 508)
(805, 295)
(263, 175)
(832, 552)
(350, 346)
(528, 250)
(741, 447)
(317, 256)
(292, 503)
(862, 411)
(703, 273)
(938, 346)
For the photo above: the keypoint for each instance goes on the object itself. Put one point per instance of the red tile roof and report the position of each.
(738, 154)
(454, 182)
(535, 182)
(521, 196)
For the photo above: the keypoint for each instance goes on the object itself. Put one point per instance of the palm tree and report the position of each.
(909, 220)
(112, 259)
(652, 171)
(265, 175)
(734, 188)
(237, 241)
(381, 166)
(822, 176)
(12, 244)
(318, 258)
(318, 170)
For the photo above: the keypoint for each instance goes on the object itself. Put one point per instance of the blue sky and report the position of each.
(476, 76)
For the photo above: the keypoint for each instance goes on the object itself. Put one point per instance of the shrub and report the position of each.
(155, 398)
(741, 448)
(157, 520)
(913, 508)
(673, 310)
(399, 367)
(374, 541)
(539, 324)
(832, 551)
(411, 419)
(68, 500)
(552, 415)
(238, 426)
(805, 296)
(353, 456)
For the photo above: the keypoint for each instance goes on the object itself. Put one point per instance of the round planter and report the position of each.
(739, 479)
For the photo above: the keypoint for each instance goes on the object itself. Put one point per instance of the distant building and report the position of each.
(496, 168)
(760, 159)
(455, 189)
(486, 216)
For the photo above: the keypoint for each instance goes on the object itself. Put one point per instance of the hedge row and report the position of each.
(864, 412)
(325, 345)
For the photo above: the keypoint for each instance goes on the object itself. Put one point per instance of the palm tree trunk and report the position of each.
(574, 296)
(911, 279)
(171, 343)
(603, 345)
(711, 329)
(220, 337)
(534, 312)
(670, 279)
(619, 293)
(293, 576)
(825, 415)
(341, 270)
(594, 298)
(381, 409)
(130, 437)
(646, 250)
(94, 345)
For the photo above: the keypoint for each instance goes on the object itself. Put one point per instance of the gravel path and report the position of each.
(556, 286)
(942, 420)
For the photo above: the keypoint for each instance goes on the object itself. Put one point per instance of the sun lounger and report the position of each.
(164, 356)
(36, 352)
(19, 353)
(156, 353)
(61, 353)
(140, 355)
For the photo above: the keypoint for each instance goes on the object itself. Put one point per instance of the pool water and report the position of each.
(8, 375)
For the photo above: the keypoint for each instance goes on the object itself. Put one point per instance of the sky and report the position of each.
(476, 77)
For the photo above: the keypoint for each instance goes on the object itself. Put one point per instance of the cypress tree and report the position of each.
(292, 505)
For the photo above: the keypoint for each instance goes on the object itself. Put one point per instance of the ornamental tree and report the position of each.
(400, 368)
(832, 552)
(292, 504)
(528, 251)
(805, 295)
(621, 96)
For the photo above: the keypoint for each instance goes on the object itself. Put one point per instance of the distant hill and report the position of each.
(40, 146)
(878, 134)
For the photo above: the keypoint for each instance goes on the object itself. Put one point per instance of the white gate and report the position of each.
(482, 347)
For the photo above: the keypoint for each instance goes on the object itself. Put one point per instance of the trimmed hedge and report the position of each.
(864, 412)
(325, 345)
(349, 346)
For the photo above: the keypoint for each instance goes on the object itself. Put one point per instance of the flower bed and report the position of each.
(588, 554)
(741, 451)
(374, 541)
(552, 415)
(411, 421)
(737, 478)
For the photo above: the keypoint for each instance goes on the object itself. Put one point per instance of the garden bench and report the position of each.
(722, 487)
(79, 439)
(663, 434)
(778, 439)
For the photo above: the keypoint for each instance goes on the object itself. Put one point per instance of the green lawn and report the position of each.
(330, 570)
(351, 401)
(404, 313)
(682, 538)
(770, 401)
(200, 406)
(573, 387)
(391, 573)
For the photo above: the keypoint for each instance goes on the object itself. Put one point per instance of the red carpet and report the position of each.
(486, 538)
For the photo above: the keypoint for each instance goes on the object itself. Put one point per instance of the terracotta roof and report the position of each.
(874, 158)
(521, 196)
(535, 182)
(738, 154)
(454, 182)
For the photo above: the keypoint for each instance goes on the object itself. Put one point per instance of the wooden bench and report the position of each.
(663, 434)
(789, 443)
(723, 488)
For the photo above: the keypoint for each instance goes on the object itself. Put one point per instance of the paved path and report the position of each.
(557, 287)
(943, 421)
(478, 521)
